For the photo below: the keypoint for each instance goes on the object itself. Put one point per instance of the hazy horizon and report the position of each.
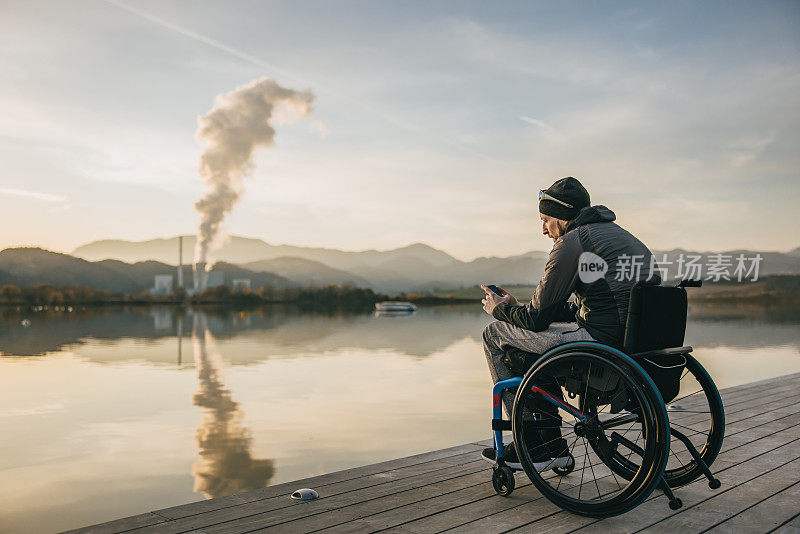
(72, 251)
(434, 123)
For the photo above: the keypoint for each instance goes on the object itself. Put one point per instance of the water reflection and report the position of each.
(290, 331)
(284, 329)
(225, 465)
(743, 326)
(81, 444)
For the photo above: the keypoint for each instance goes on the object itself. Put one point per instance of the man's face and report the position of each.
(552, 227)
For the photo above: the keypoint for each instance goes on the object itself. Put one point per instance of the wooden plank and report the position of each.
(760, 383)
(451, 487)
(770, 420)
(777, 388)
(375, 515)
(398, 517)
(780, 412)
(790, 527)
(121, 525)
(321, 481)
(656, 508)
(729, 503)
(733, 395)
(736, 446)
(442, 513)
(763, 406)
(769, 514)
(343, 508)
(765, 411)
(756, 404)
(540, 516)
(490, 504)
(265, 513)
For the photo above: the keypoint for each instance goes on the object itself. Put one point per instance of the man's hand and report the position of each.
(492, 299)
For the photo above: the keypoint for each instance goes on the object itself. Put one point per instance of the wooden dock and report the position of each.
(450, 490)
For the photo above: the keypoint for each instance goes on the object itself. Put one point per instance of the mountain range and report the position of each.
(241, 250)
(130, 266)
(416, 267)
(31, 266)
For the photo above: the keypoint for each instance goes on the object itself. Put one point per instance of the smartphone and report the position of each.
(494, 289)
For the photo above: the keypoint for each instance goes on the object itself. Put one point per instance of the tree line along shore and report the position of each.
(330, 295)
(770, 289)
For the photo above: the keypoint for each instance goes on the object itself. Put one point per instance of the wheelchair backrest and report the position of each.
(656, 317)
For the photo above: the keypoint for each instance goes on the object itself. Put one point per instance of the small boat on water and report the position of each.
(394, 306)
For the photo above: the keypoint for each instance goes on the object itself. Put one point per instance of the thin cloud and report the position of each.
(53, 407)
(541, 124)
(748, 149)
(44, 197)
(203, 39)
(293, 77)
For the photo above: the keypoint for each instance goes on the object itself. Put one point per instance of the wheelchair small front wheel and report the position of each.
(503, 480)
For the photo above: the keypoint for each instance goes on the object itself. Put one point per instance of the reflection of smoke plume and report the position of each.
(238, 123)
(225, 466)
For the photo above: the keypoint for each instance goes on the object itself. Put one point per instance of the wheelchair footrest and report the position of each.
(501, 424)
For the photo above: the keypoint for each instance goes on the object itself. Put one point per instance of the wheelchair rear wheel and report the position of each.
(699, 415)
(574, 389)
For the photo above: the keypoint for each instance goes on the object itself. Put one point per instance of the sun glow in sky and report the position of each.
(432, 122)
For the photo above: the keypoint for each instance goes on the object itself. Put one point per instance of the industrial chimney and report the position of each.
(180, 261)
(200, 276)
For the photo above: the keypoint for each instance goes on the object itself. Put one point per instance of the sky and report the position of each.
(432, 122)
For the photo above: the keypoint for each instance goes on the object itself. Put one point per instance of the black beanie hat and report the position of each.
(567, 190)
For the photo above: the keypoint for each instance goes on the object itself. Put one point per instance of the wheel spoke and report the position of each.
(683, 465)
(594, 476)
(692, 431)
(571, 448)
(585, 455)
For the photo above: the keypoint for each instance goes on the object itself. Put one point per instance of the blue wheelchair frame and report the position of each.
(497, 407)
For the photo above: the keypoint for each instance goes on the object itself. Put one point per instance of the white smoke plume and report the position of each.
(238, 123)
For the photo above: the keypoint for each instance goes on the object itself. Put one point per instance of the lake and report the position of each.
(112, 412)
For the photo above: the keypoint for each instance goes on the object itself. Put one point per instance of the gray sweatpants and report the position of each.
(499, 335)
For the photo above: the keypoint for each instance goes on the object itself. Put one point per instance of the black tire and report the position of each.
(605, 377)
(698, 413)
(503, 480)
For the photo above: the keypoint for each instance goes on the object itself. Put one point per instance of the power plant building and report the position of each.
(162, 285)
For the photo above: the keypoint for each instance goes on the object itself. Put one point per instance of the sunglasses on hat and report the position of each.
(544, 196)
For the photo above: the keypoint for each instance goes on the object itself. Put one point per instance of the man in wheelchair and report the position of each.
(583, 235)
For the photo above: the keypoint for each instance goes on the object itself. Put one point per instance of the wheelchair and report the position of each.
(645, 417)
